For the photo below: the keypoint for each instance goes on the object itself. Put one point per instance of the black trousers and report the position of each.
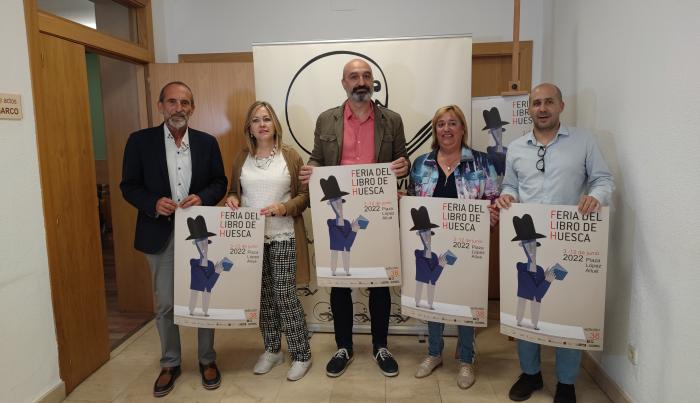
(379, 308)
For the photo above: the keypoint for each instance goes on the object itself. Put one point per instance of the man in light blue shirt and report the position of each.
(553, 164)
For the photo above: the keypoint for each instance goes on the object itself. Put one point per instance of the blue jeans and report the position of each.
(568, 361)
(465, 341)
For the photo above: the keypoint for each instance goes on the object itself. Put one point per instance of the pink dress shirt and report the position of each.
(358, 138)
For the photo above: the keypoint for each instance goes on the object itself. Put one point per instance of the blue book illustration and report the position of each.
(559, 271)
(450, 257)
(363, 222)
(227, 264)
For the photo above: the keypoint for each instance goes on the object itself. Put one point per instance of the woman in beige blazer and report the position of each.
(265, 176)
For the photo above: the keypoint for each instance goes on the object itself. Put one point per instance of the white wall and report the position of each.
(27, 334)
(216, 26)
(629, 70)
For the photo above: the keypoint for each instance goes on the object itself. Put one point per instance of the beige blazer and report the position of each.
(296, 205)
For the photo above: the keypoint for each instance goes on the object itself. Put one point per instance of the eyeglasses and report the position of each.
(540, 162)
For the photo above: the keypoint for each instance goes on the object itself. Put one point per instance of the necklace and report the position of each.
(452, 164)
(264, 162)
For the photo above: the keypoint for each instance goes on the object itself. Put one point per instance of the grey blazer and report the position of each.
(389, 138)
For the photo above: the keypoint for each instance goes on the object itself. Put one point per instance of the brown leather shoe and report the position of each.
(165, 381)
(211, 377)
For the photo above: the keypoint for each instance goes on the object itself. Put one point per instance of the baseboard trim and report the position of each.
(54, 395)
(604, 381)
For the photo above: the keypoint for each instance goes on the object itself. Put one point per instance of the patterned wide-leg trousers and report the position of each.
(280, 308)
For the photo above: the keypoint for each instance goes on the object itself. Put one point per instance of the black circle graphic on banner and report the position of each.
(377, 86)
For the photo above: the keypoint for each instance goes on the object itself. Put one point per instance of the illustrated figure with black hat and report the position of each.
(341, 232)
(533, 280)
(494, 124)
(204, 273)
(428, 265)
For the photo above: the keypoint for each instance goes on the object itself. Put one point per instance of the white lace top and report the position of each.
(261, 187)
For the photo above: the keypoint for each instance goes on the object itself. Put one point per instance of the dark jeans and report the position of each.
(379, 307)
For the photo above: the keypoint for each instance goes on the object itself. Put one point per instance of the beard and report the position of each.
(361, 93)
(177, 121)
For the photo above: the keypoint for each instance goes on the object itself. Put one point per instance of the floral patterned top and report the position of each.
(475, 176)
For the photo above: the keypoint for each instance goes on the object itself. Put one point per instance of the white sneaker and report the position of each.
(427, 366)
(298, 370)
(267, 361)
(466, 376)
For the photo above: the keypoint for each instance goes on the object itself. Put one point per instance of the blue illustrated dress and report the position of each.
(202, 278)
(427, 270)
(341, 237)
(531, 286)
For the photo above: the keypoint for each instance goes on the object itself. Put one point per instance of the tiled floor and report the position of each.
(120, 324)
(129, 375)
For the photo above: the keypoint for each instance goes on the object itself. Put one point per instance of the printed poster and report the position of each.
(354, 211)
(445, 259)
(553, 272)
(218, 267)
(497, 122)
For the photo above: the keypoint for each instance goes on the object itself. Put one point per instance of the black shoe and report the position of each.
(165, 381)
(386, 362)
(211, 377)
(525, 385)
(339, 362)
(565, 393)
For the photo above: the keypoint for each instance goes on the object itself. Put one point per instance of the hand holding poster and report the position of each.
(445, 259)
(356, 227)
(554, 263)
(218, 267)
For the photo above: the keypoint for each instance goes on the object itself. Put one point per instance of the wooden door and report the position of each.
(492, 65)
(125, 111)
(222, 94)
(69, 194)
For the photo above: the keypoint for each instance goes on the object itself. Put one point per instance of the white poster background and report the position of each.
(513, 111)
(461, 291)
(572, 310)
(235, 297)
(374, 256)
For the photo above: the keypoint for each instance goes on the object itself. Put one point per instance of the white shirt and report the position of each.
(179, 165)
(262, 187)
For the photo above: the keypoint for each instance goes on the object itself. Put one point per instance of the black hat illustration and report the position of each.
(492, 118)
(198, 228)
(525, 229)
(331, 190)
(421, 220)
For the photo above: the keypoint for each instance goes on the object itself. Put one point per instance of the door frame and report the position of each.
(40, 23)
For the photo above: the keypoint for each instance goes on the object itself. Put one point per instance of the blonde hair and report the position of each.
(249, 137)
(460, 115)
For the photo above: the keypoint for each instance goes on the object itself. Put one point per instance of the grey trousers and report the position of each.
(162, 271)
